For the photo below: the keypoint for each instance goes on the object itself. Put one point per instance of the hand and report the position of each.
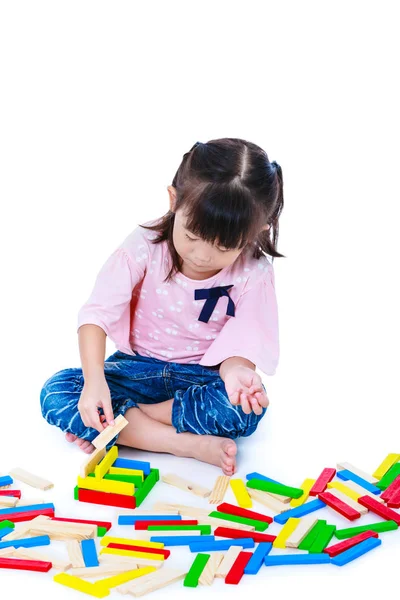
(244, 386)
(95, 395)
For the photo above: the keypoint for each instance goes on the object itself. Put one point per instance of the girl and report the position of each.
(189, 301)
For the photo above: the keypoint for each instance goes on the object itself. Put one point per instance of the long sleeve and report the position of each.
(253, 332)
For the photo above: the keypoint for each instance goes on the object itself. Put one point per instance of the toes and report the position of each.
(70, 437)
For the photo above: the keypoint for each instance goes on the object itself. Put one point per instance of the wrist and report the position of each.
(234, 362)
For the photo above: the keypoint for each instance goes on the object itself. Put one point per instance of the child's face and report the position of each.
(200, 259)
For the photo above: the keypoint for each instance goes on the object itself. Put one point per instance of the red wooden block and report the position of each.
(320, 485)
(106, 498)
(15, 493)
(231, 532)
(392, 490)
(379, 509)
(165, 553)
(394, 501)
(27, 516)
(142, 525)
(25, 565)
(342, 508)
(105, 524)
(231, 509)
(349, 543)
(237, 569)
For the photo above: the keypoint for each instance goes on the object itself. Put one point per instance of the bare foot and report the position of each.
(84, 445)
(217, 451)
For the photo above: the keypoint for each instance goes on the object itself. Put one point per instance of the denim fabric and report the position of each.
(200, 402)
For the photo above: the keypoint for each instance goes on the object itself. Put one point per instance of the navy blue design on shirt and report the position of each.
(211, 295)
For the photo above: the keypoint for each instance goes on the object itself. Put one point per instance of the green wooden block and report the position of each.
(323, 539)
(259, 525)
(312, 535)
(193, 575)
(342, 534)
(7, 525)
(274, 488)
(389, 477)
(204, 529)
(135, 479)
(101, 531)
(76, 492)
(148, 484)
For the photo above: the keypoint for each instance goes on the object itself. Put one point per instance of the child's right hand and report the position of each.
(95, 395)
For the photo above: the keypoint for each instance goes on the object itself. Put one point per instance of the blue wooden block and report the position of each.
(296, 559)
(89, 553)
(131, 519)
(40, 540)
(181, 540)
(5, 531)
(6, 480)
(126, 463)
(259, 554)
(17, 509)
(259, 476)
(300, 511)
(345, 475)
(199, 546)
(352, 553)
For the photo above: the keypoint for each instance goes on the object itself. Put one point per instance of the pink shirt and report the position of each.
(139, 312)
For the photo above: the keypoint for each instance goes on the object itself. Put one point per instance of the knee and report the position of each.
(57, 392)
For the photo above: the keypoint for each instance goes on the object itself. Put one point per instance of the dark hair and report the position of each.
(228, 189)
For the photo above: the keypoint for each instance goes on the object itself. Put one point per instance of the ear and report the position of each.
(266, 227)
(172, 197)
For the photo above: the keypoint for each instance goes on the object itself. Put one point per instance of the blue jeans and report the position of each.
(200, 402)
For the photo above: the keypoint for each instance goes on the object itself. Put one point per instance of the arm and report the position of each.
(92, 349)
(234, 361)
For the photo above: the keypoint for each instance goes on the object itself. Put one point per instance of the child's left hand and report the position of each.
(244, 386)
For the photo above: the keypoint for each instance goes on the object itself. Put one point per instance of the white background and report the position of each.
(98, 103)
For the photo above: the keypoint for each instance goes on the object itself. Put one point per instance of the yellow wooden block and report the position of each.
(384, 467)
(338, 485)
(76, 583)
(121, 578)
(241, 493)
(102, 468)
(285, 532)
(121, 471)
(108, 539)
(132, 553)
(106, 485)
(306, 487)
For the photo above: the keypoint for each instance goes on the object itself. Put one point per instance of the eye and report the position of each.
(189, 238)
(223, 249)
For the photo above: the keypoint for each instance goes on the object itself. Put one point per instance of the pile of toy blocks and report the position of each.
(112, 481)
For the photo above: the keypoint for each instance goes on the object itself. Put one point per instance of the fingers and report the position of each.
(109, 414)
(91, 418)
(234, 398)
(244, 402)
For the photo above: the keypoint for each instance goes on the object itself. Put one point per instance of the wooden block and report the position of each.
(258, 525)
(152, 582)
(91, 462)
(121, 578)
(296, 559)
(280, 497)
(27, 553)
(80, 585)
(320, 485)
(208, 574)
(392, 492)
(349, 501)
(345, 557)
(144, 525)
(215, 522)
(106, 498)
(379, 509)
(389, 477)
(149, 535)
(219, 490)
(257, 559)
(346, 475)
(138, 548)
(24, 565)
(227, 562)
(181, 509)
(129, 472)
(26, 509)
(106, 569)
(108, 539)
(354, 487)
(109, 432)
(312, 535)
(285, 533)
(63, 531)
(231, 509)
(106, 485)
(306, 487)
(304, 527)
(132, 562)
(75, 553)
(89, 553)
(106, 524)
(322, 540)
(42, 540)
(8, 501)
(342, 508)
(268, 486)
(26, 516)
(266, 500)
(30, 479)
(132, 519)
(101, 469)
(133, 465)
(237, 570)
(241, 494)
(133, 553)
(196, 569)
(183, 540)
(188, 486)
(30, 501)
(349, 543)
(7, 551)
(385, 465)
(300, 511)
(5, 481)
(378, 527)
(349, 467)
(14, 493)
(232, 532)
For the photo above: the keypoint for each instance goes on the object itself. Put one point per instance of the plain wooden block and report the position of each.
(184, 484)
(346, 466)
(109, 432)
(75, 554)
(152, 582)
(30, 479)
(228, 561)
